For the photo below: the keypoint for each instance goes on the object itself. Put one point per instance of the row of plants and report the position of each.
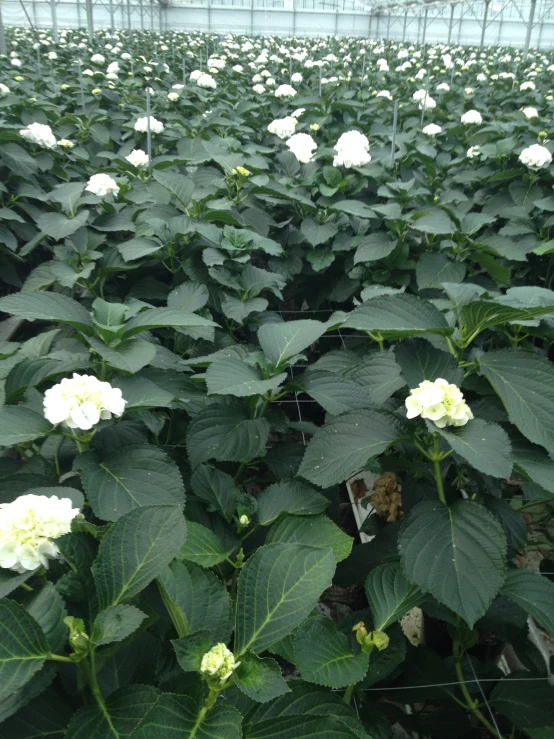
(236, 273)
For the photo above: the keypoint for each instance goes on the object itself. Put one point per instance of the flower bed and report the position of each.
(236, 273)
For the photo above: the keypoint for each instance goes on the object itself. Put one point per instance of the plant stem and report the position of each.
(437, 466)
(60, 658)
(348, 694)
(240, 471)
(471, 705)
(90, 671)
(208, 704)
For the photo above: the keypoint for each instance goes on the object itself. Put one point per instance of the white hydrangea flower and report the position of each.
(352, 150)
(535, 156)
(302, 146)
(259, 89)
(16, 62)
(384, 94)
(237, 68)
(27, 527)
(440, 402)
(431, 130)
(207, 81)
(285, 91)
(39, 133)
(527, 86)
(216, 63)
(298, 112)
(156, 126)
(471, 117)
(530, 113)
(283, 127)
(296, 78)
(102, 184)
(244, 520)
(474, 152)
(138, 158)
(112, 68)
(194, 75)
(173, 96)
(97, 59)
(52, 55)
(82, 401)
(219, 662)
(4, 89)
(444, 86)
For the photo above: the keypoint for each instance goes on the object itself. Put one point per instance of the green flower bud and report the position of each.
(219, 663)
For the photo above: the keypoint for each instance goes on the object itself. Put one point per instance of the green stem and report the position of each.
(471, 705)
(60, 658)
(90, 672)
(26, 587)
(208, 704)
(437, 467)
(240, 471)
(348, 694)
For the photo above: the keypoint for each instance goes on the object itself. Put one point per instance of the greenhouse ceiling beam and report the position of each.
(398, 5)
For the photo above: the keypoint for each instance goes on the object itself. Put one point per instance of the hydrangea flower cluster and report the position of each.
(102, 184)
(219, 663)
(352, 150)
(536, 156)
(283, 127)
(27, 528)
(302, 146)
(82, 401)
(156, 126)
(40, 134)
(440, 402)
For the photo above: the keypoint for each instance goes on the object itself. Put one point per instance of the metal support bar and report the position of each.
(425, 24)
(529, 28)
(3, 49)
(90, 21)
(484, 28)
(112, 20)
(54, 21)
(451, 24)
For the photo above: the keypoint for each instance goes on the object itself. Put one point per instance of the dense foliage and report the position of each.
(246, 313)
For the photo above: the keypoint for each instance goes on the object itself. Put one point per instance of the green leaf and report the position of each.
(373, 247)
(18, 425)
(23, 647)
(200, 596)
(280, 341)
(334, 393)
(238, 309)
(534, 461)
(344, 446)
(278, 587)
(379, 375)
(48, 609)
(397, 316)
(433, 269)
(457, 554)
(115, 624)
(534, 593)
(135, 550)
(311, 531)
(190, 649)
(129, 356)
(9, 580)
(190, 297)
(324, 655)
(318, 233)
(177, 184)
(437, 222)
(202, 546)
(486, 446)
(124, 711)
(527, 703)
(482, 314)
(390, 595)
(133, 476)
(138, 248)
(259, 679)
(226, 433)
(48, 307)
(301, 727)
(420, 361)
(45, 716)
(59, 226)
(525, 384)
(353, 208)
(139, 392)
(178, 717)
(289, 496)
(231, 376)
(217, 488)
(153, 318)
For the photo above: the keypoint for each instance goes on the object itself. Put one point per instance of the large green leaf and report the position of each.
(435, 222)
(116, 623)
(178, 717)
(317, 233)
(23, 647)
(177, 184)
(280, 341)
(300, 727)
(457, 554)
(48, 609)
(259, 679)
(324, 655)
(527, 703)
(231, 376)
(482, 314)
(534, 461)
(398, 316)
(420, 361)
(140, 392)
(138, 248)
(312, 531)
(525, 384)
(133, 476)
(191, 648)
(390, 595)
(278, 587)
(486, 446)
(135, 550)
(129, 356)
(534, 593)
(226, 433)
(201, 598)
(216, 488)
(379, 375)
(123, 713)
(353, 208)
(344, 446)
(333, 392)
(46, 716)
(202, 546)
(18, 425)
(190, 297)
(289, 496)
(433, 269)
(59, 226)
(48, 307)
(153, 318)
